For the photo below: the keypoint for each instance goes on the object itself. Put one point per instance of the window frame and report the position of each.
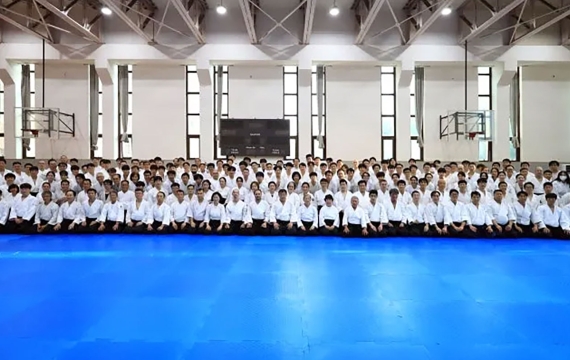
(226, 71)
(129, 115)
(100, 114)
(413, 121)
(315, 138)
(484, 74)
(517, 150)
(191, 69)
(388, 70)
(32, 140)
(287, 70)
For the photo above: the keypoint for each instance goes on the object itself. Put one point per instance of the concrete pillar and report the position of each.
(10, 75)
(502, 78)
(108, 75)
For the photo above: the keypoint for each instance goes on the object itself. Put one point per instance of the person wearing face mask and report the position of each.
(561, 184)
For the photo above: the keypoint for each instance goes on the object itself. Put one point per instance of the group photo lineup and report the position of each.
(366, 198)
(284, 180)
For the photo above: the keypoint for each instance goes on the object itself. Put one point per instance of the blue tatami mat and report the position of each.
(272, 298)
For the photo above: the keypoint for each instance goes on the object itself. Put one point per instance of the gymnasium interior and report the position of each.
(331, 85)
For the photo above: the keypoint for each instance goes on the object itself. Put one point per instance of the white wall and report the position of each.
(545, 97)
(353, 112)
(256, 92)
(67, 88)
(444, 93)
(159, 111)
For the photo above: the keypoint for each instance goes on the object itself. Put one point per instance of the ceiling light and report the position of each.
(221, 9)
(334, 11)
(446, 11)
(106, 11)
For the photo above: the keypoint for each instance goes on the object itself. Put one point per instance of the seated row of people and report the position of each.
(371, 217)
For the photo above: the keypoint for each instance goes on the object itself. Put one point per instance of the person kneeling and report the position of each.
(377, 216)
(395, 211)
(527, 220)
(355, 221)
(4, 213)
(282, 216)
(259, 212)
(92, 208)
(179, 213)
(478, 219)
(435, 216)
(112, 215)
(23, 211)
(456, 216)
(46, 215)
(329, 218)
(238, 221)
(417, 225)
(70, 214)
(555, 223)
(502, 216)
(161, 216)
(139, 214)
(215, 216)
(308, 217)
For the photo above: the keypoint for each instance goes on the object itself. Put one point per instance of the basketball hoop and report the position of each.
(472, 135)
(34, 132)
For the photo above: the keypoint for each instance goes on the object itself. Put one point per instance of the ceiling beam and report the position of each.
(66, 8)
(248, 17)
(367, 23)
(435, 14)
(494, 18)
(116, 9)
(550, 6)
(25, 28)
(192, 25)
(74, 24)
(310, 9)
(542, 27)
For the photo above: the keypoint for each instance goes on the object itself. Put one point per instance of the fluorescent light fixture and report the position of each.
(221, 9)
(106, 11)
(334, 11)
(446, 11)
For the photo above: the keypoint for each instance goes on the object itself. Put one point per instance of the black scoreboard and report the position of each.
(255, 137)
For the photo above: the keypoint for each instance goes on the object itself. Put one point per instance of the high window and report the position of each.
(484, 82)
(417, 152)
(515, 153)
(31, 153)
(291, 106)
(388, 111)
(99, 151)
(126, 148)
(225, 105)
(192, 112)
(315, 149)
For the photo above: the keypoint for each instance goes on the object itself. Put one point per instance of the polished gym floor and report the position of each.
(197, 298)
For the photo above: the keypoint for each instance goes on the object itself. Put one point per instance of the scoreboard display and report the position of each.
(255, 137)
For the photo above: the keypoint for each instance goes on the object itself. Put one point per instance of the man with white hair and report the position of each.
(355, 220)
